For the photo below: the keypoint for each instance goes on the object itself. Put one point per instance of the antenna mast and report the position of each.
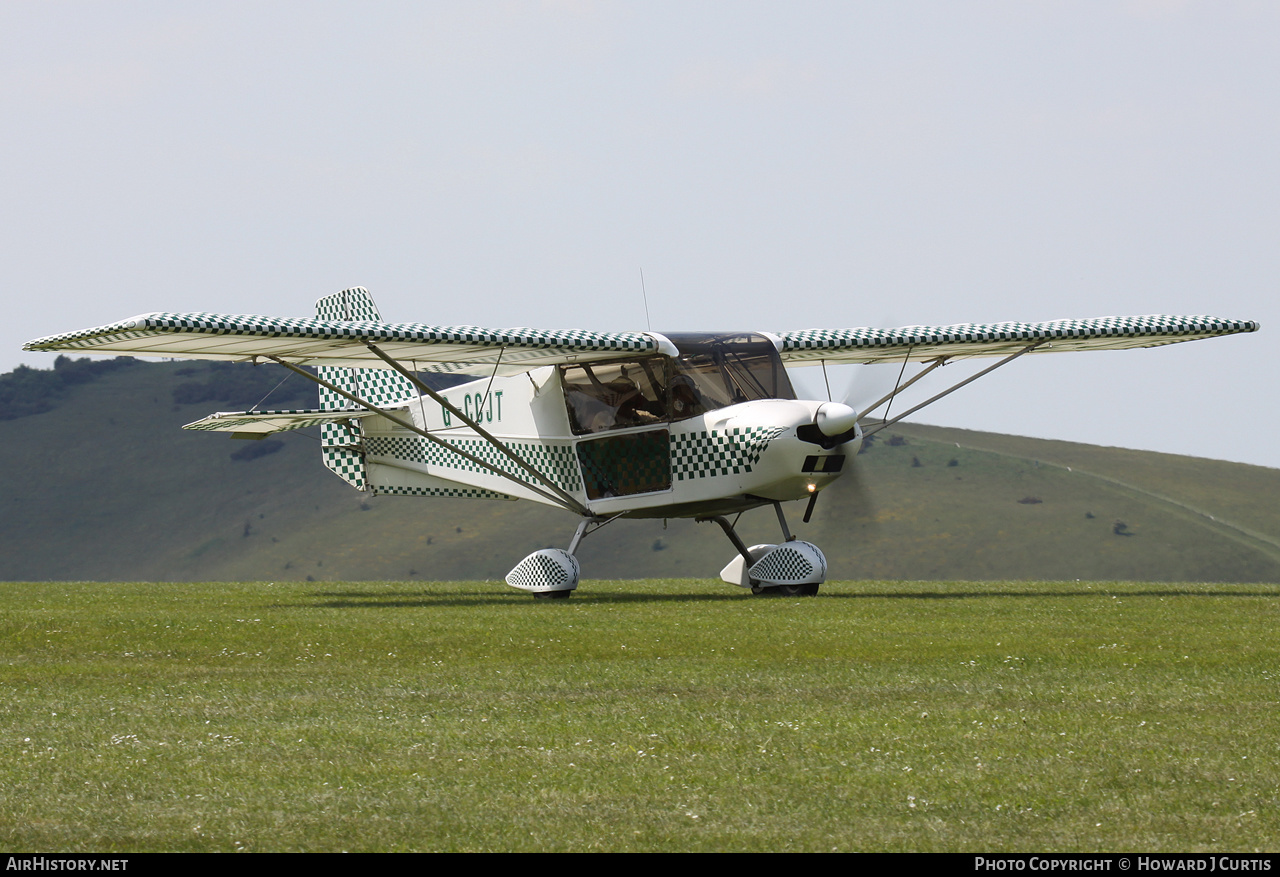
(648, 323)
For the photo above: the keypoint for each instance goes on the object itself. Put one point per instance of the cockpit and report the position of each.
(712, 371)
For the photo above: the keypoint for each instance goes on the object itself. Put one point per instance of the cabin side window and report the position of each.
(615, 395)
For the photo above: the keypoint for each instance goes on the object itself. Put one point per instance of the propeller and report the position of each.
(868, 390)
(853, 485)
(866, 386)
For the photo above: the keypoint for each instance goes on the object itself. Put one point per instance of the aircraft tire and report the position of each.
(552, 595)
(810, 590)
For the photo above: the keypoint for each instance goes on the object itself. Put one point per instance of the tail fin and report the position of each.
(341, 444)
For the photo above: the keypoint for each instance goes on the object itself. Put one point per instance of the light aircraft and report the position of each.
(604, 425)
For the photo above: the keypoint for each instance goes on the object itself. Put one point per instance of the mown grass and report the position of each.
(641, 715)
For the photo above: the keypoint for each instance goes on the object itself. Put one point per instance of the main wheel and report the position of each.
(552, 595)
(786, 591)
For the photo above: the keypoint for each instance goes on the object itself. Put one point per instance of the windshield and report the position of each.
(712, 371)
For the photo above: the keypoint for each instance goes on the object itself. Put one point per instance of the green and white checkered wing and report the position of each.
(919, 343)
(343, 335)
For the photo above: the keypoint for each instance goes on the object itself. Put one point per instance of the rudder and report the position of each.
(342, 446)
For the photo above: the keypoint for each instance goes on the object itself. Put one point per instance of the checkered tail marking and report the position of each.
(341, 446)
(557, 462)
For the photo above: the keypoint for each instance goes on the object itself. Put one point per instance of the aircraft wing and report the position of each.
(920, 343)
(259, 424)
(320, 342)
(475, 350)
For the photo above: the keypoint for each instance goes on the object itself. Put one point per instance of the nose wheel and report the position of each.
(785, 590)
(552, 595)
(792, 569)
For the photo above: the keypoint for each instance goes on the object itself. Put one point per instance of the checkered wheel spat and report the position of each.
(548, 569)
(791, 563)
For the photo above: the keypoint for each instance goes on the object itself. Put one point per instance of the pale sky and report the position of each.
(769, 166)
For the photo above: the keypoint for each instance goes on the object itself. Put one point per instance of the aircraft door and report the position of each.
(623, 465)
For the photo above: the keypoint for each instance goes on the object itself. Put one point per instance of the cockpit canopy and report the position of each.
(712, 371)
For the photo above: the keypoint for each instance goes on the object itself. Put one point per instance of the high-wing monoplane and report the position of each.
(602, 425)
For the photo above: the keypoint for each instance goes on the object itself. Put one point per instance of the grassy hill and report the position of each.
(104, 485)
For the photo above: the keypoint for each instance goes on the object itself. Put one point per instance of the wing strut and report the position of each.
(941, 360)
(571, 504)
(565, 499)
(969, 380)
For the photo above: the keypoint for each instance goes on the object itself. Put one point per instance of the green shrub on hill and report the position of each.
(235, 383)
(25, 390)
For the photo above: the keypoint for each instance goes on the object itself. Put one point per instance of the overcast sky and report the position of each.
(769, 166)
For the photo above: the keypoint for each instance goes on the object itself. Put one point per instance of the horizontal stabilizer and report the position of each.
(264, 423)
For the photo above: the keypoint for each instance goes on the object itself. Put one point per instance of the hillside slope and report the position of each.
(106, 486)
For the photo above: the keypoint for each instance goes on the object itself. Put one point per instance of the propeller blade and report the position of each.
(852, 497)
(869, 384)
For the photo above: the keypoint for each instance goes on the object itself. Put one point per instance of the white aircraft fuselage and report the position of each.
(634, 437)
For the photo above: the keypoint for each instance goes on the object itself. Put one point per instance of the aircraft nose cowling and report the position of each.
(835, 418)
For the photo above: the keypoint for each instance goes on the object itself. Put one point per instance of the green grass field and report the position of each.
(641, 715)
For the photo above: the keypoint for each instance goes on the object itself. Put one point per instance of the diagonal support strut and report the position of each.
(565, 498)
(897, 390)
(969, 380)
